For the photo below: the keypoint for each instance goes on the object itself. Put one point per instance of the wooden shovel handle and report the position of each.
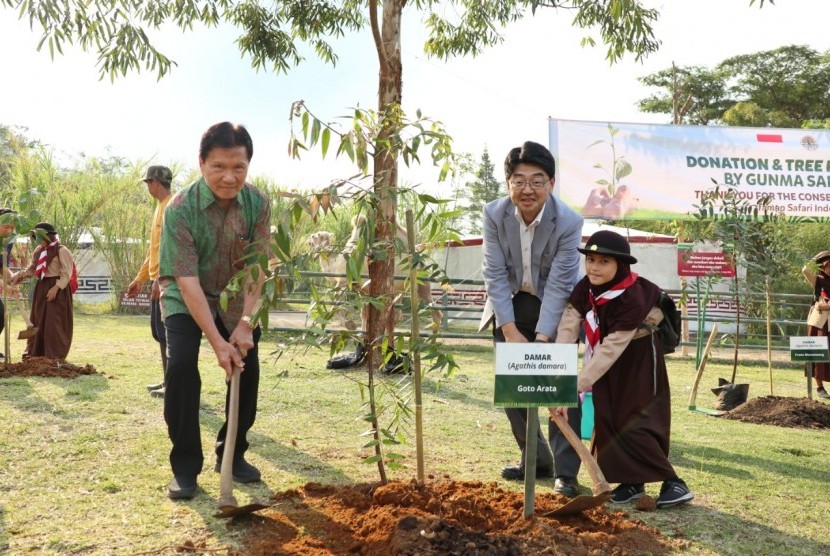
(23, 312)
(705, 357)
(226, 473)
(600, 485)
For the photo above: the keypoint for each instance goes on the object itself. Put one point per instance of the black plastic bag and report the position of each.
(730, 395)
(346, 360)
(396, 365)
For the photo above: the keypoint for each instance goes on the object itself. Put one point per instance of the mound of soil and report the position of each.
(796, 413)
(43, 366)
(443, 517)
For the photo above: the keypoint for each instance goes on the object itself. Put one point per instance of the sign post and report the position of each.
(702, 261)
(810, 350)
(535, 375)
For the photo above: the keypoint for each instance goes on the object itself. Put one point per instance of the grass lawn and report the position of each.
(83, 462)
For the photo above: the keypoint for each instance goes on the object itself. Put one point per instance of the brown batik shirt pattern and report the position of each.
(201, 239)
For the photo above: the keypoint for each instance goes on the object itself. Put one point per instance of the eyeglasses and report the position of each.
(535, 184)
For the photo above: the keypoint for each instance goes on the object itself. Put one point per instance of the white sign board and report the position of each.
(535, 375)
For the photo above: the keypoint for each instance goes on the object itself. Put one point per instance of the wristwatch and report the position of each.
(247, 320)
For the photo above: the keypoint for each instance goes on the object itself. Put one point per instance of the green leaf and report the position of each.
(315, 131)
(445, 169)
(324, 147)
(304, 120)
(347, 147)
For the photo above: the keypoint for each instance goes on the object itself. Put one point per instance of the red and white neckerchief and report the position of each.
(40, 268)
(592, 332)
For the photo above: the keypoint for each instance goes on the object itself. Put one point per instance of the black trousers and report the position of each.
(158, 332)
(183, 393)
(156, 323)
(555, 451)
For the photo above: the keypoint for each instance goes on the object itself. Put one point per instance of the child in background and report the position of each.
(819, 280)
(625, 368)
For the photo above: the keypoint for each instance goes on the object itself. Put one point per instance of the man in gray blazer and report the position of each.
(530, 267)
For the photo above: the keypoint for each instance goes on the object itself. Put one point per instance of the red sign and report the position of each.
(693, 260)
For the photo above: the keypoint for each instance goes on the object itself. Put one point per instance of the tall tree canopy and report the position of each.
(271, 32)
(785, 87)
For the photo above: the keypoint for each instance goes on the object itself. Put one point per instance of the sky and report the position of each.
(495, 101)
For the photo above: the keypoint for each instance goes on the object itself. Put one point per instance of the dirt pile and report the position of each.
(797, 413)
(443, 517)
(42, 366)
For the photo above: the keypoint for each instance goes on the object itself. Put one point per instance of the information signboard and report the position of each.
(535, 375)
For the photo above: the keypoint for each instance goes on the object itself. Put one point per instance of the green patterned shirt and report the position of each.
(201, 239)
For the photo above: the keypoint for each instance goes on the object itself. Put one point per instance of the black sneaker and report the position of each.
(674, 493)
(822, 393)
(627, 492)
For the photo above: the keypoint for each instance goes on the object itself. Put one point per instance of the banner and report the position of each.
(616, 171)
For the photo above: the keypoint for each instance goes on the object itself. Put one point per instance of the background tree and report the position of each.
(693, 95)
(791, 83)
(478, 191)
(784, 87)
(102, 199)
(13, 144)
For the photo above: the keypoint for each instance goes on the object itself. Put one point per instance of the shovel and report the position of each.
(227, 504)
(600, 487)
(31, 329)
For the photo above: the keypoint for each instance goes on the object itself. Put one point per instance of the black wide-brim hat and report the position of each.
(46, 227)
(606, 242)
(821, 257)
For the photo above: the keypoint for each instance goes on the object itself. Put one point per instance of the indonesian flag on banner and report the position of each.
(769, 138)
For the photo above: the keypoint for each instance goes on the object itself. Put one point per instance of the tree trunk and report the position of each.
(387, 37)
(382, 263)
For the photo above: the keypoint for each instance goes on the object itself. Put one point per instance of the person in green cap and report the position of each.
(158, 180)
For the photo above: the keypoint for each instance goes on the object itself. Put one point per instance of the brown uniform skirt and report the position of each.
(633, 422)
(821, 371)
(53, 320)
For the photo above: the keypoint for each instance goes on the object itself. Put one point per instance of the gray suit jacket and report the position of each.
(554, 261)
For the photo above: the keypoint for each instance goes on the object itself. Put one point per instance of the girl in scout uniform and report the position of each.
(625, 369)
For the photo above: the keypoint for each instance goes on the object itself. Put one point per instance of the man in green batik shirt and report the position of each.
(209, 227)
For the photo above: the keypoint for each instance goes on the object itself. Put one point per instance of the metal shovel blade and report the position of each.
(239, 511)
(28, 333)
(580, 504)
